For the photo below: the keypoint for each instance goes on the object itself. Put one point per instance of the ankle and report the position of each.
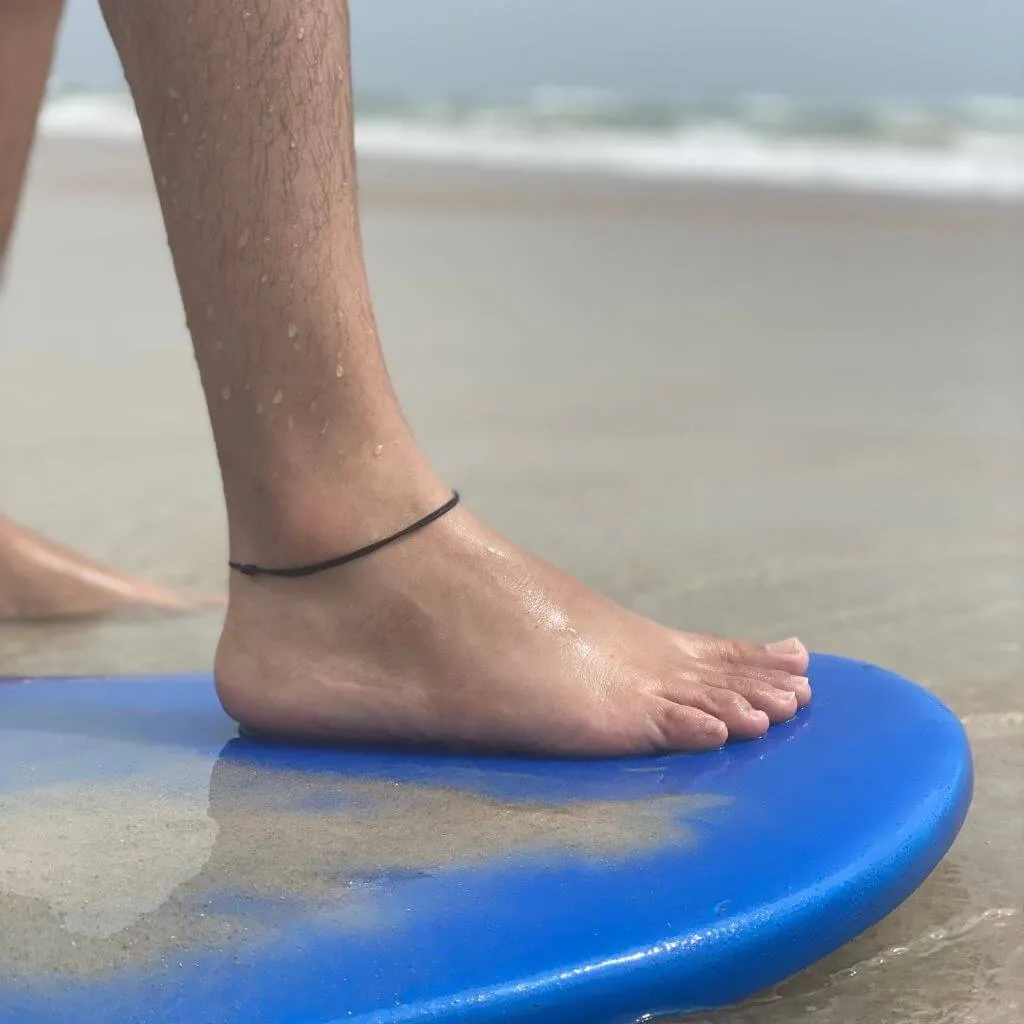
(300, 520)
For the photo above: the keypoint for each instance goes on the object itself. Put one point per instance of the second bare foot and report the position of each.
(40, 579)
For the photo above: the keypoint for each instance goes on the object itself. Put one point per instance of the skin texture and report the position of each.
(453, 635)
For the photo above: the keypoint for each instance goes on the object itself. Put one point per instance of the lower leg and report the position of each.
(246, 115)
(452, 635)
(28, 29)
(38, 578)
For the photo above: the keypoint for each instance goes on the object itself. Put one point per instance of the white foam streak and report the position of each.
(971, 161)
(969, 168)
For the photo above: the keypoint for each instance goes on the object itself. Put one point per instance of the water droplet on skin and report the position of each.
(301, 33)
(294, 143)
(219, 346)
(243, 239)
(263, 278)
(378, 451)
(278, 396)
(323, 428)
(184, 117)
(259, 410)
(225, 392)
(247, 388)
(266, 238)
(339, 371)
(172, 92)
(209, 311)
(163, 180)
(291, 422)
(292, 330)
(199, 216)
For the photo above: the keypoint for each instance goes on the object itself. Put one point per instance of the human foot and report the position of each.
(454, 636)
(43, 580)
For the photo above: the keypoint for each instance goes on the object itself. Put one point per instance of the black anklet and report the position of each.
(247, 569)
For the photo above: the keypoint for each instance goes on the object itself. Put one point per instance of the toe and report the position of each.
(778, 704)
(682, 727)
(790, 655)
(787, 656)
(799, 686)
(742, 719)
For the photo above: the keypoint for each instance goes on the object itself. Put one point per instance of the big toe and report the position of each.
(784, 655)
(790, 655)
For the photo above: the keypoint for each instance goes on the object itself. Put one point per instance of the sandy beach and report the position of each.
(752, 411)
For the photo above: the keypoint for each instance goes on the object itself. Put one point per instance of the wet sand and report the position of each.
(750, 411)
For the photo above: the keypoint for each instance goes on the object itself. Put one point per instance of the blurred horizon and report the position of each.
(923, 96)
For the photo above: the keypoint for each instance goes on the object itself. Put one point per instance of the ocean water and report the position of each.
(966, 146)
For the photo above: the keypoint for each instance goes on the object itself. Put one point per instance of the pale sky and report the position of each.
(666, 48)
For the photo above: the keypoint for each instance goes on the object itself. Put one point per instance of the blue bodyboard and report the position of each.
(157, 867)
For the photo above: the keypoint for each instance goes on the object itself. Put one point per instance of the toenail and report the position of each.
(790, 646)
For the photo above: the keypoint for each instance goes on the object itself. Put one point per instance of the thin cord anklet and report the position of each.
(248, 569)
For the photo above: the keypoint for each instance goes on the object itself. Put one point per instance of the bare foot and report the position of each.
(453, 636)
(43, 580)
